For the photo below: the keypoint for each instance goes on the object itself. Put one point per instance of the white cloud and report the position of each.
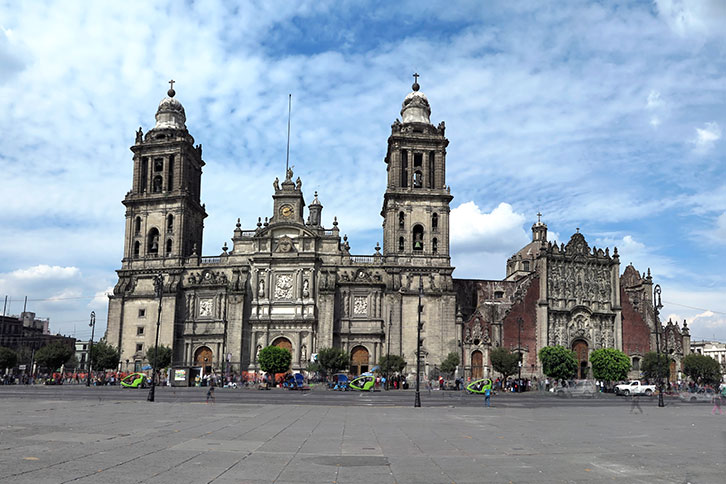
(694, 17)
(44, 271)
(707, 136)
(497, 231)
(654, 100)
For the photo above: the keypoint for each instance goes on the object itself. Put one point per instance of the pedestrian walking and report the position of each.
(716, 404)
(635, 404)
(487, 397)
(210, 393)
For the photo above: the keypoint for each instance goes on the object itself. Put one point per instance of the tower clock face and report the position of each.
(287, 211)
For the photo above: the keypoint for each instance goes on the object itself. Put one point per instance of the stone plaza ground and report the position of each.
(106, 435)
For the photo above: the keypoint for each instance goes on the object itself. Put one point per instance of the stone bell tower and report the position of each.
(416, 202)
(164, 216)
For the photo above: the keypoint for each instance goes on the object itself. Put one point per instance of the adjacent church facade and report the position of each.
(291, 282)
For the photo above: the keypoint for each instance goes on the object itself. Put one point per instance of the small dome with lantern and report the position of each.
(170, 114)
(416, 108)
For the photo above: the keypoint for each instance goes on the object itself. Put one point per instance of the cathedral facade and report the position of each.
(291, 282)
(288, 281)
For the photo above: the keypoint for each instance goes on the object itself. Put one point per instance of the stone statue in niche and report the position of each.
(257, 353)
(303, 353)
(306, 288)
(261, 288)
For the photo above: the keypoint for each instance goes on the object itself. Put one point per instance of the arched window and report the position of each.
(401, 219)
(435, 221)
(432, 164)
(152, 243)
(168, 247)
(137, 248)
(404, 168)
(401, 244)
(170, 223)
(158, 181)
(435, 245)
(137, 226)
(418, 233)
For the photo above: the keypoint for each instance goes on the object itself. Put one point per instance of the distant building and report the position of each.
(714, 349)
(82, 349)
(27, 331)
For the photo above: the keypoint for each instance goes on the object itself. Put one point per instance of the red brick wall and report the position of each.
(636, 333)
(527, 310)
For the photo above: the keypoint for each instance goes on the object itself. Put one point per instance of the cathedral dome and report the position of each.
(416, 108)
(170, 114)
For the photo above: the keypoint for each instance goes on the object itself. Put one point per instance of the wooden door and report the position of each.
(359, 358)
(477, 365)
(581, 353)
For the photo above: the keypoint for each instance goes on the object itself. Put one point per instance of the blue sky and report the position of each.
(607, 116)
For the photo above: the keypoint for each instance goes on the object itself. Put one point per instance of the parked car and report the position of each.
(578, 388)
(634, 387)
(702, 395)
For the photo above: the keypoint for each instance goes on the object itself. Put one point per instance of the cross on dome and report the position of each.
(171, 90)
(415, 86)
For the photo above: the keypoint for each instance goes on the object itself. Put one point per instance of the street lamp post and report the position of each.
(158, 287)
(519, 352)
(92, 324)
(417, 402)
(657, 306)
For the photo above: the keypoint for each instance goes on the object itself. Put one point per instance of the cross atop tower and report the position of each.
(539, 217)
(415, 77)
(171, 83)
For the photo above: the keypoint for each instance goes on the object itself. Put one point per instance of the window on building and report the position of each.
(158, 182)
(158, 165)
(401, 219)
(404, 168)
(139, 330)
(432, 164)
(153, 242)
(170, 177)
(139, 347)
(525, 265)
(144, 175)
(435, 221)
(636, 364)
(137, 365)
(168, 247)
(137, 225)
(418, 233)
(137, 248)
(142, 312)
(435, 245)
(401, 244)
(498, 294)
(417, 179)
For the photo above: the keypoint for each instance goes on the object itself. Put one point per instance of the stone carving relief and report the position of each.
(207, 278)
(582, 282)
(206, 307)
(284, 244)
(306, 288)
(283, 286)
(261, 288)
(360, 305)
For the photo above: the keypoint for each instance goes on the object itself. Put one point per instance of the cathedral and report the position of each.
(291, 282)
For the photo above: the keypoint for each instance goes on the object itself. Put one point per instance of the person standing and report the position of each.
(487, 396)
(210, 393)
(716, 404)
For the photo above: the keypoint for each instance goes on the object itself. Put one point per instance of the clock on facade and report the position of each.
(287, 211)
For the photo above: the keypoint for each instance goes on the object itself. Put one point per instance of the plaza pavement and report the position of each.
(106, 440)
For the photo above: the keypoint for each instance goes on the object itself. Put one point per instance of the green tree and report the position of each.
(558, 362)
(448, 366)
(164, 357)
(104, 356)
(53, 355)
(391, 364)
(274, 359)
(505, 362)
(8, 359)
(702, 369)
(609, 364)
(333, 360)
(72, 363)
(649, 366)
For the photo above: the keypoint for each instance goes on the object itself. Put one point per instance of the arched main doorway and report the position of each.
(203, 357)
(283, 343)
(477, 365)
(581, 354)
(672, 373)
(359, 360)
